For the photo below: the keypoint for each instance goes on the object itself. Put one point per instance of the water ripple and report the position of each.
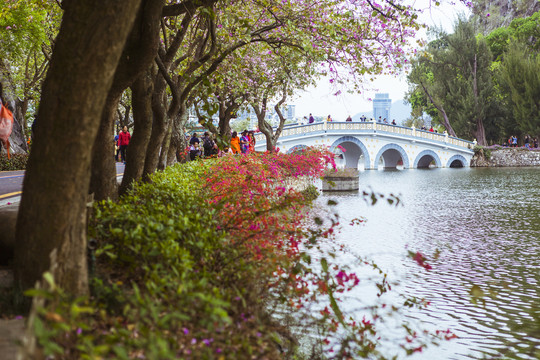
(485, 225)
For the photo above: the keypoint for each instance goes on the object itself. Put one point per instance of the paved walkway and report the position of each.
(11, 184)
(10, 333)
(11, 330)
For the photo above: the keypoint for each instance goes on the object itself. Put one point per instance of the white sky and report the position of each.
(320, 100)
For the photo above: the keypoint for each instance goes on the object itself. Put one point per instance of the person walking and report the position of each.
(244, 142)
(116, 148)
(235, 143)
(252, 142)
(123, 142)
(311, 119)
(194, 139)
(349, 118)
(527, 141)
(208, 145)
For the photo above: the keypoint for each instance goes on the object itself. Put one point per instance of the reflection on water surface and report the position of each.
(486, 225)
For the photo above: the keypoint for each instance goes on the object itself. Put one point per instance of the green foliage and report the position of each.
(482, 151)
(525, 31)
(454, 75)
(518, 74)
(209, 260)
(240, 125)
(17, 162)
(310, 193)
(169, 283)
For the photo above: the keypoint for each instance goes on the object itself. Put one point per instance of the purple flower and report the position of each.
(186, 331)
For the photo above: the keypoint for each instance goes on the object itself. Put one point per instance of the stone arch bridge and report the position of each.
(376, 145)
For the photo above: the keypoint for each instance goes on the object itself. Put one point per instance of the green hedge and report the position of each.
(167, 284)
(17, 162)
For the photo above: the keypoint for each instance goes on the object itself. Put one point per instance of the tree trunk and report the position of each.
(159, 128)
(173, 148)
(52, 213)
(139, 52)
(103, 174)
(446, 122)
(165, 146)
(480, 132)
(141, 90)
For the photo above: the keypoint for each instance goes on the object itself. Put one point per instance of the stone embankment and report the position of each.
(505, 157)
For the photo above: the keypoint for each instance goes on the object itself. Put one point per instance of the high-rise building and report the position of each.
(291, 112)
(381, 106)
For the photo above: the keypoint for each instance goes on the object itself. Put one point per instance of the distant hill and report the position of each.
(398, 111)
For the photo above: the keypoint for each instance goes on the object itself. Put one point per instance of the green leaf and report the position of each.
(324, 265)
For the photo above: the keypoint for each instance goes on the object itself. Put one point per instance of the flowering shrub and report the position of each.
(214, 259)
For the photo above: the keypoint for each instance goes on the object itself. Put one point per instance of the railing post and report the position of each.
(413, 130)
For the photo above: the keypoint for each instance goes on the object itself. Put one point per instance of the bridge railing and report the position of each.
(353, 127)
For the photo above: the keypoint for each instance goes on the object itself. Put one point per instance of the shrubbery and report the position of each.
(212, 260)
(17, 162)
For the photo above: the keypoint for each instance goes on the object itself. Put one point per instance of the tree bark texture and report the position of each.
(141, 91)
(139, 52)
(103, 182)
(53, 207)
(159, 127)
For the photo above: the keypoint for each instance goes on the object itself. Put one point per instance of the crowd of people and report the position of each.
(305, 120)
(513, 142)
(243, 144)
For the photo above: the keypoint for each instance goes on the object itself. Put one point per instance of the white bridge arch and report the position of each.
(376, 143)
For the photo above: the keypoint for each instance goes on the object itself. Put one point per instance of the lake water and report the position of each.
(486, 225)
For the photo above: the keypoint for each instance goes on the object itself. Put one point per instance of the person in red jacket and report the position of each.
(123, 142)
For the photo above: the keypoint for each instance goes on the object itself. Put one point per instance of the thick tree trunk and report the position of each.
(480, 132)
(159, 127)
(52, 213)
(165, 146)
(103, 182)
(173, 148)
(142, 114)
(139, 53)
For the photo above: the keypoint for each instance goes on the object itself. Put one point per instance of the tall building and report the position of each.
(291, 112)
(381, 106)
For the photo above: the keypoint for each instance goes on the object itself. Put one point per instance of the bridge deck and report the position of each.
(356, 128)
